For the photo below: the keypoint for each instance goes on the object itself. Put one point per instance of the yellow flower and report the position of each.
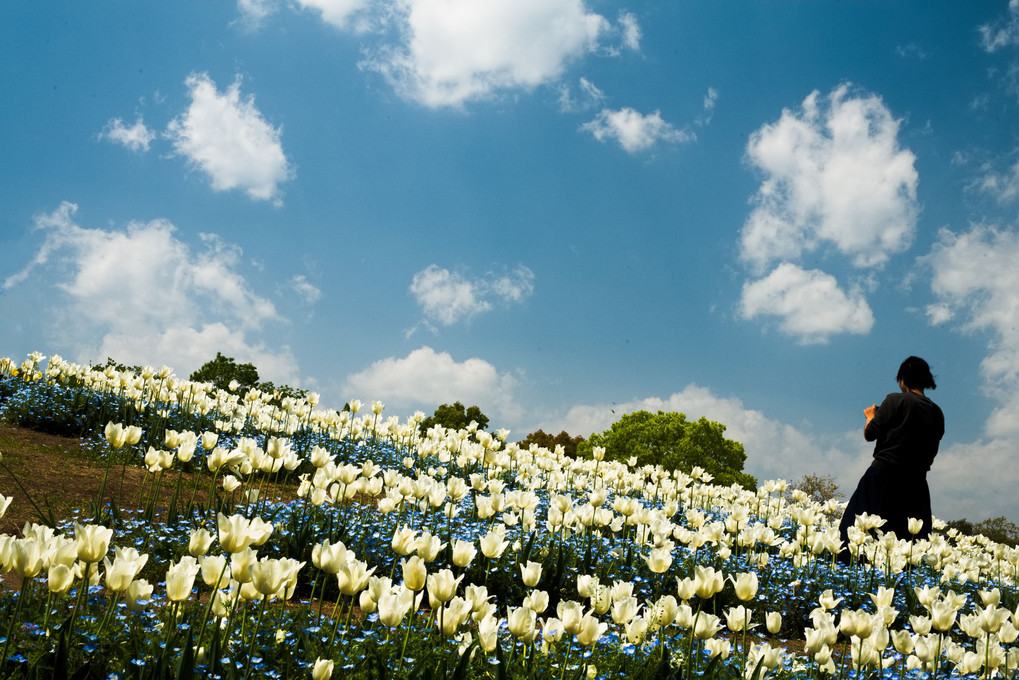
(115, 434)
(442, 587)
(353, 577)
(746, 586)
(234, 532)
(414, 573)
(659, 560)
(463, 552)
(322, 670)
(267, 576)
(180, 578)
(530, 573)
(200, 542)
(591, 630)
(59, 578)
(393, 606)
(707, 582)
(138, 594)
(93, 541)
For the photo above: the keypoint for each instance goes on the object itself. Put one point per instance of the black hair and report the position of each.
(916, 374)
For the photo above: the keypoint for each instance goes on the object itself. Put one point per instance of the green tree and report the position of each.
(549, 442)
(675, 443)
(455, 417)
(819, 488)
(223, 370)
(999, 530)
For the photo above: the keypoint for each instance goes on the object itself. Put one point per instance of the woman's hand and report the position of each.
(869, 412)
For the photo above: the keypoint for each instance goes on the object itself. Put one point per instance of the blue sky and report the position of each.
(560, 211)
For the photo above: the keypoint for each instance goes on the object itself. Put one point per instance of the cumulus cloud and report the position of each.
(426, 378)
(448, 297)
(976, 285)
(976, 282)
(226, 137)
(254, 12)
(633, 130)
(137, 138)
(834, 175)
(1002, 33)
(339, 14)
(976, 480)
(451, 52)
(810, 304)
(142, 296)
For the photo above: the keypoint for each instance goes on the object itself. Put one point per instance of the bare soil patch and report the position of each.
(53, 470)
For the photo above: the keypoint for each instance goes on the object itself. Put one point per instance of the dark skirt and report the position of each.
(893, 494)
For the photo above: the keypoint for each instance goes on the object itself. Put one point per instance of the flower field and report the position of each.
(452, 554)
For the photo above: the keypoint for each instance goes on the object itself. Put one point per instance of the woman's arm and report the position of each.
(869, 412)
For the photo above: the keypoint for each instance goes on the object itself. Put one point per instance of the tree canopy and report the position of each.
(818, 487)
(226, 374)
(223, 370)
(675, 443)
(545, 440)
(455, 417)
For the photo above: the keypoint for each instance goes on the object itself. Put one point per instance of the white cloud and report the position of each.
(426, 378)
(254, 12)
(633, 130)
(226, 137)
(307, 291)
(710, 102)
(337, 13)
(975, 277)
(137, 138)
(448, 297)
(975, 480)
(630, 30)
(144, 297)
(976, 283)
(1003, 187)
(457, 51)
(911, 51)
(833, 175)
(515, 286)
(810, 304)
(589, 97)
(1003, 33)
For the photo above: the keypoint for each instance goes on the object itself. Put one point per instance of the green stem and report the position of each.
(212, 597)
(254, 635)
(17, 612)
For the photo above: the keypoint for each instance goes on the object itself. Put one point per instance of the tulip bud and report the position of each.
(59, 578)
(322, 670)
(746, 586)
(414, 573)
(201, 541)
(530, 573)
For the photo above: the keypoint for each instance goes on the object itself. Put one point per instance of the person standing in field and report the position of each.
(907, 428)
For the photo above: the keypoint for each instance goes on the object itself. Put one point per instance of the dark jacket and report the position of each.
(907, 428)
